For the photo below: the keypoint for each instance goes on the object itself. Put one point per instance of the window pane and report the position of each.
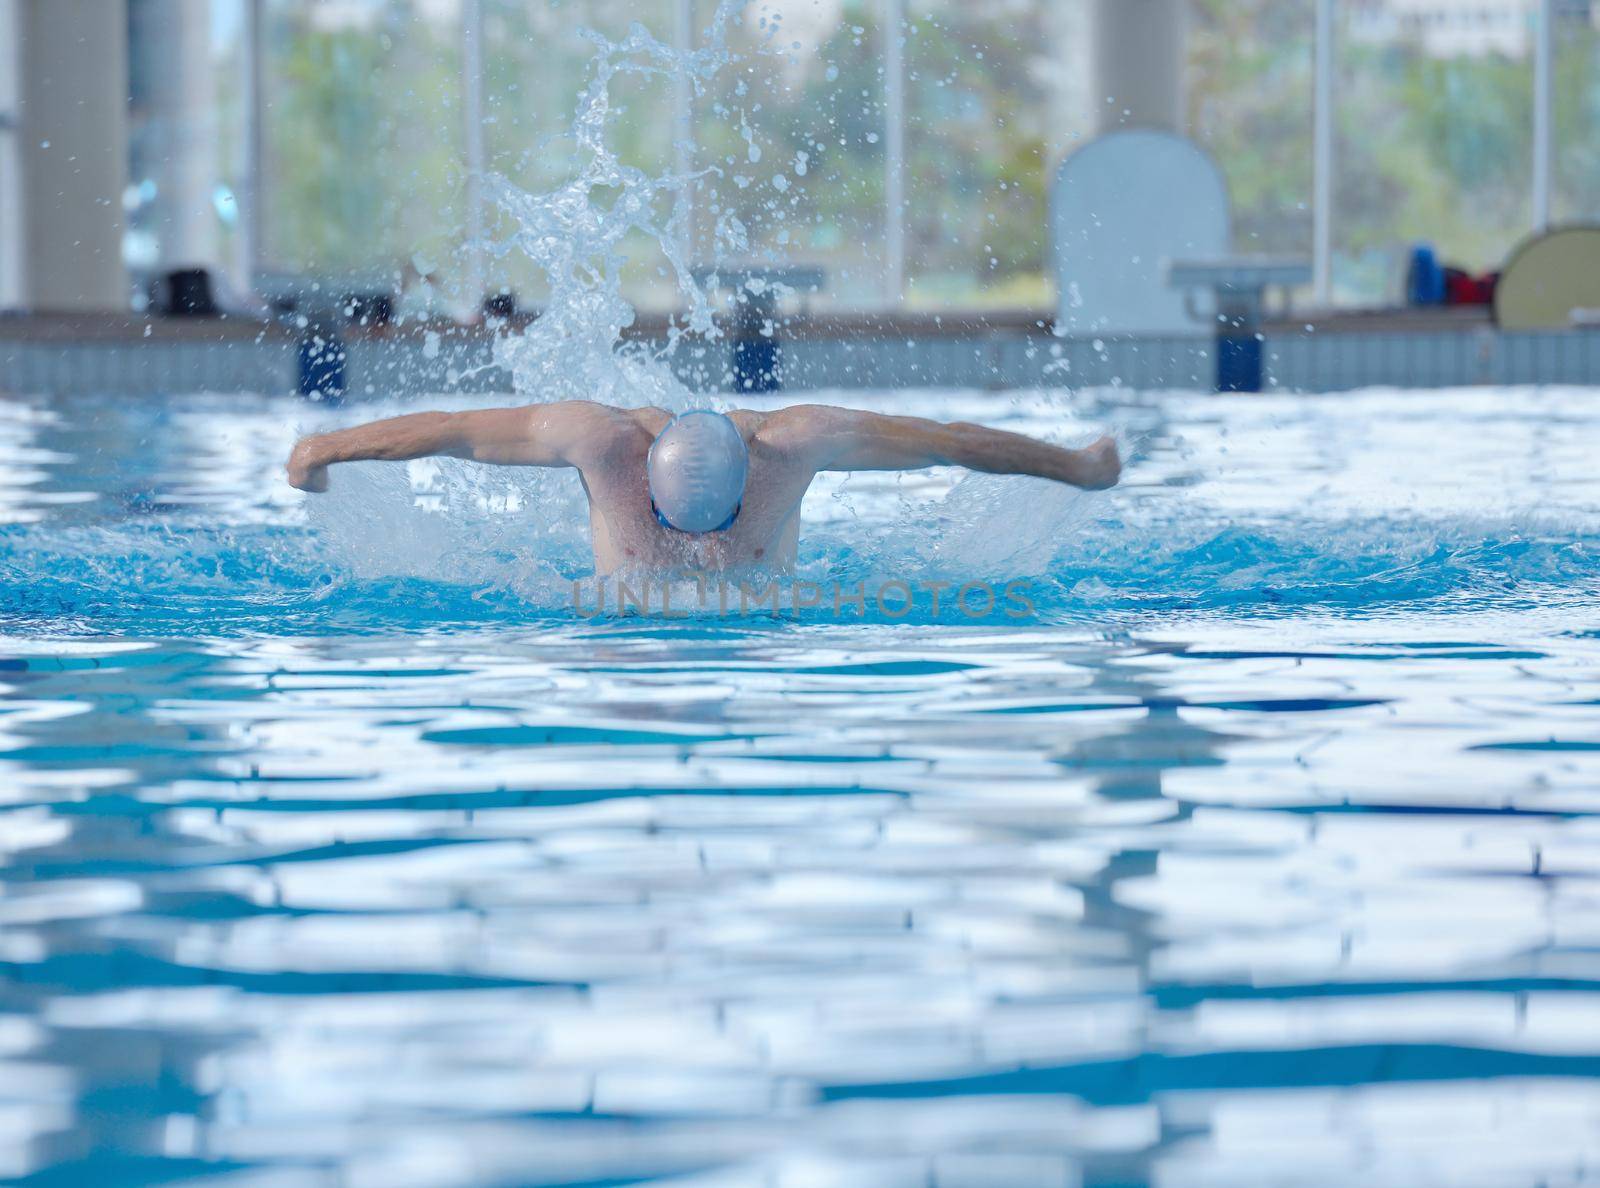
(537, 62)
(795, 128)
(1250, 107)
(362, 138)
(1577, 114)
(981, 87)
(1435, 129)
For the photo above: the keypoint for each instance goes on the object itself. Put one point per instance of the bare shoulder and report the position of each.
(650, 417)
(574, 414)
(799, 425)
(584, 431)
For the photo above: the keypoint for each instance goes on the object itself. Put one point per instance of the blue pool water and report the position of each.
(338, 848)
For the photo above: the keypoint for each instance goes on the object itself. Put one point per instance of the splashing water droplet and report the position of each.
(575, 233)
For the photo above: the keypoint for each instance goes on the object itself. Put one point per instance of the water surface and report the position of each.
(337, 849)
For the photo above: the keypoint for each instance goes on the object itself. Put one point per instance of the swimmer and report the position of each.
(702, 490)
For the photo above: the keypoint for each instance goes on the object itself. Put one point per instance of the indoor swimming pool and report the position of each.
(348, 842)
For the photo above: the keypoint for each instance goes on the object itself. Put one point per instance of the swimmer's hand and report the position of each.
(1097, 466)
(306, 471)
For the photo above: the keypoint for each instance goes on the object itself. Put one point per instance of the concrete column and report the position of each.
(171, 41)
(74, 149)
(1138, 64)
(252, 221)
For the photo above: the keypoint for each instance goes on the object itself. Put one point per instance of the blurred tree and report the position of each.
(363, 138)
(364, 144)
(796, 137)
(1577, 120)
(1433, 149)
(1249, 89)
(977, 104)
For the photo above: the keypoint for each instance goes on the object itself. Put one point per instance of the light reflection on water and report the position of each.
(1234, 894)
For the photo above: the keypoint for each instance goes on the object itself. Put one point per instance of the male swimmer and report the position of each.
(702, 490)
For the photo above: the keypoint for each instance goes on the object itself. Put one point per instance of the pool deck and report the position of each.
(989, 350)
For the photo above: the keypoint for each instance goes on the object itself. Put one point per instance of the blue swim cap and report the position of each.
(697, 468)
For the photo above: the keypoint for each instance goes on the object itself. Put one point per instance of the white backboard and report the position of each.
(1122, 207)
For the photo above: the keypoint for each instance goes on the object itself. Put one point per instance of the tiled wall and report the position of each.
(1303, 362)
(144, 368)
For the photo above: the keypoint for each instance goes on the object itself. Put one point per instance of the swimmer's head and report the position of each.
(697, 469)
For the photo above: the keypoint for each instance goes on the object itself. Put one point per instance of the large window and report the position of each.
(1249, 105)
(367, 162)
(362, 141)
(1434, 132)
(1577, 114)
(980, 103)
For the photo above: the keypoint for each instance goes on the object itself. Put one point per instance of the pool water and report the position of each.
(338, 848)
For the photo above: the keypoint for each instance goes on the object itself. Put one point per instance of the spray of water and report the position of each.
(521, 530)
(472, 538)
(518, 530)
(574, 235)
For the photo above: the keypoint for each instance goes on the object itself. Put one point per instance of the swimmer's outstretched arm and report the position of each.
(848, 439)
(555, 434)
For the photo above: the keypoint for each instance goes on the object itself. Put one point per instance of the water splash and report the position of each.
(388, 563)
(575, 234)
(514, 532)
(517, 531)
(176, 521)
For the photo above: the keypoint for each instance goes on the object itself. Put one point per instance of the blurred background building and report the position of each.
(262, 138)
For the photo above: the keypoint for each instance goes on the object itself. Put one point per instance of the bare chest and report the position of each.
(628, 535)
